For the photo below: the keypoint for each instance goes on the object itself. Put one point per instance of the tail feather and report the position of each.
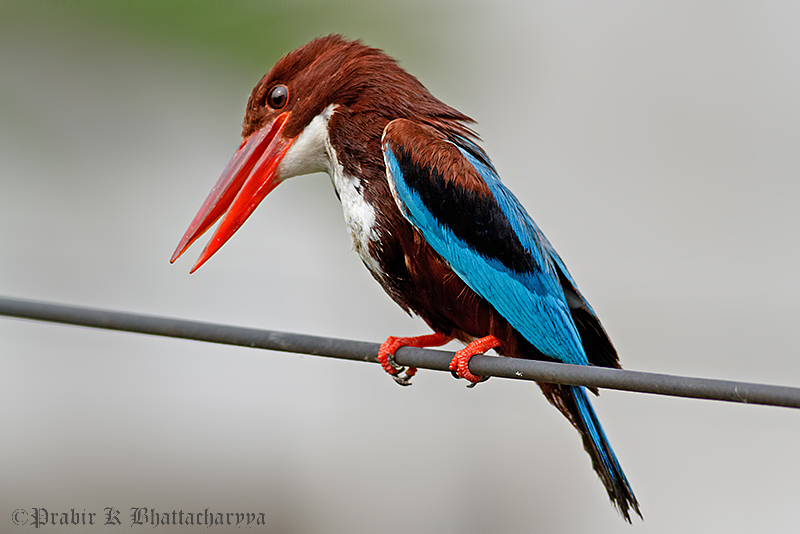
(573, 402)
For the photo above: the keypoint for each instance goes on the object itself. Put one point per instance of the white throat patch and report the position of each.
(308, 153)
(312, 152)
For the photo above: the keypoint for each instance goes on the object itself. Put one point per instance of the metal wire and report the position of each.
(557, 373)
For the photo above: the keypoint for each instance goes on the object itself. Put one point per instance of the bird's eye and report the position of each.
(278, 96)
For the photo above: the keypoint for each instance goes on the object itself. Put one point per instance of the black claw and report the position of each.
(402, 379)
(473, 384)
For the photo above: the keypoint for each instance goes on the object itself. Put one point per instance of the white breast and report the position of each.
(312, 152)
(359, 215)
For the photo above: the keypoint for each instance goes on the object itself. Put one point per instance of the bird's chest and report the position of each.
(359, 216)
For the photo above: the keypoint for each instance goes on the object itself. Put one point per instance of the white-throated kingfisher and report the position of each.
(427, 214)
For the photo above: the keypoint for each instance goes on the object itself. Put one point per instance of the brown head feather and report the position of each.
(332, 70)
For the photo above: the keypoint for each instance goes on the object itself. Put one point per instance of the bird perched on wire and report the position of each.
(427, 214)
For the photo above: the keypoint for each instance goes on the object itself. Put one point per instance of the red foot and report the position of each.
(460, 363)
(390, 346)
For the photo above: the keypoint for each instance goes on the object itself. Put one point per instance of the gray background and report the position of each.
(655, 144)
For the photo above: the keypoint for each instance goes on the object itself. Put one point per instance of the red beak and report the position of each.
(246, 181)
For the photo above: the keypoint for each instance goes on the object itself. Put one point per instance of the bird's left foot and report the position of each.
(459, 366)
(386, 352)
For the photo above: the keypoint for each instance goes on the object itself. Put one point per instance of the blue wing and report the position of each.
(449, 190)
(451, 193)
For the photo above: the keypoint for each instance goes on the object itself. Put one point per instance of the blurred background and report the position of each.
(656, 144)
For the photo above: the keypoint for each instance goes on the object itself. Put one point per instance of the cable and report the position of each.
(558, 373)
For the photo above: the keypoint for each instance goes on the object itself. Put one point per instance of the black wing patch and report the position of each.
(472, 214)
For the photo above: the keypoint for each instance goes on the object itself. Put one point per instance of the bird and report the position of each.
(427, 214)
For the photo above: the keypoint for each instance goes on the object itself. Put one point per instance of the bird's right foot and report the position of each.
(460, 364)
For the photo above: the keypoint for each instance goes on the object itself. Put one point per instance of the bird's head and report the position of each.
(289, 120)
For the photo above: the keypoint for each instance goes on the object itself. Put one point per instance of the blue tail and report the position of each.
(574, 403)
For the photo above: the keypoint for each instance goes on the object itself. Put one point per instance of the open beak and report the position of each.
(249, 177)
